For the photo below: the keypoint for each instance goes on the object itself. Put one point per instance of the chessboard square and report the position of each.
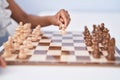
(68, 32)
(67, 41)
(80, 48)
(58, 38)
(77, 38)
(67, 52)
(68, 48)
(44, 37)
(67, 44)
(38, 58)
(51, 58)
(54, 52)
(102, 59)
(48, 35)
(25, 59)
(77, 35)
(57, 35)
(68, 58)
(44, 44)
(117, 54)
(54, 48)
(117, 59)
(42, 48)
(117, 51)
(45, 41)
(55, 44)
(78, 41)
(67, 37)
(12, 58)
(56, 41)
(79, 44)
(81, 53)
(40, 52)
(83, 58)
(57, 32)
(48, 32)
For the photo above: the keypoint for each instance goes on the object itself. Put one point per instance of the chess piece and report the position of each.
(28, 43)
(36, 33)
(111, 49)
(63, 30)
(102, 26)
(96, 51)
(37, 30)
(107, 39)
(23, 52)
(94, 29)
(34, 36)
(7, 50)
(27, 29)
(88, 41)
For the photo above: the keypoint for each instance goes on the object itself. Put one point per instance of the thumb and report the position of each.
(60, 24)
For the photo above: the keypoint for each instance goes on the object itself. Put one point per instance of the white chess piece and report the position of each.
(23, 52)
(28, 43)
(63, 30)
(7, 50)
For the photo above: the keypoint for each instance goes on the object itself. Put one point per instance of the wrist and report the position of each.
(50, 19)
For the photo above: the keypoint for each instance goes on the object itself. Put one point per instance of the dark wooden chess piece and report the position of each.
(88, 41)
(102, 26)
(111, 50)
(96, 52)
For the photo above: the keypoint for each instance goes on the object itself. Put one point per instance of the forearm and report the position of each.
(19, 15)
(39, 20)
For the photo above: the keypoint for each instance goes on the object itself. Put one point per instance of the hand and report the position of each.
(61, 18)
(2, 62)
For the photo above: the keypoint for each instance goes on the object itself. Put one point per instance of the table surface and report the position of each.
(78, 21)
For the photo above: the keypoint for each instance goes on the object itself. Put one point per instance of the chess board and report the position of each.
(52, 48)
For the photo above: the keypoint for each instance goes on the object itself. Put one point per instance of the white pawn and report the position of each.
(23, 52)
(63, 30)
(37, 30)
(28, 43)
(36, 33)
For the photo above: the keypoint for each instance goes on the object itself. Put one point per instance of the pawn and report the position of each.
(96, 51)
(23, 52)
(7, 50)
(28, 43)
(34, 37)
(111, 50)
(63, 30)
(37, 30)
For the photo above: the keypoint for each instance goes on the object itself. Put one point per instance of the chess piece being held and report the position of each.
(63, 30)
(62, 26)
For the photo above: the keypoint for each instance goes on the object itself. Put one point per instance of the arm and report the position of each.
(19, 15)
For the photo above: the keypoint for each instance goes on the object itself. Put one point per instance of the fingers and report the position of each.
(64, 18)
(2, 62)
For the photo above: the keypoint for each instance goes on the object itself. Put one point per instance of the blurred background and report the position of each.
(35, 6)
(82, 12)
